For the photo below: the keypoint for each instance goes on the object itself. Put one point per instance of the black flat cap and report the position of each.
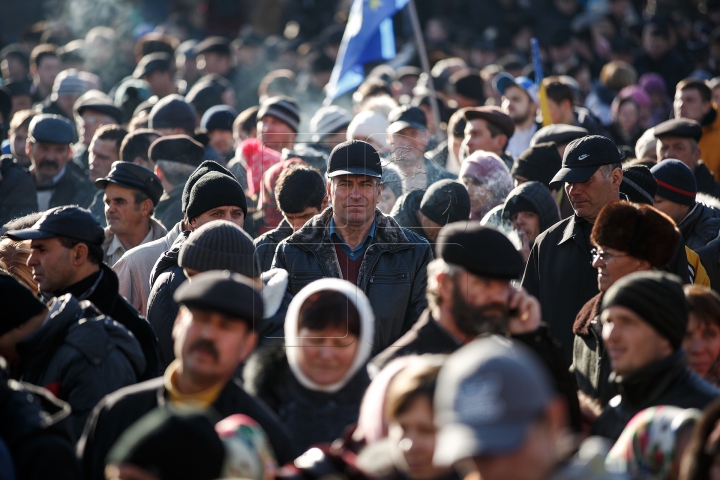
(584, 156)
(173, 112)
(68, 221)
(445, 202)
(492, 115)
(136, 177)
(177, 148)
(538, 163)
(559, 134)
(51, 129)
(98, 102)
(679, 127)
(354, 157)
(213, 45)
(225, 292)
(154, 62)
(482, 251)
(406, 116)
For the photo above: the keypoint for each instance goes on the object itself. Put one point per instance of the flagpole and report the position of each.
(422, 53)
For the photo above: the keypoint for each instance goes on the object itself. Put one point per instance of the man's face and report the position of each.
(274, 132)
(674, 210)
(123, 215)
(213, 63)
(631, 342)
(102, 155)
(430, 228)
(408, 146)
(680, 148)
(589, 197)
(47, 158)
(222, 141)
(526, 223)
(354, 198)
(89, 122)
(229, 213)
(517, 104)
(47, 70)
(18, 139)
(20, 102)
(656, 46)
(297, 220)
(478, 137)
(689, 104)
(52, 264)
(211, 344)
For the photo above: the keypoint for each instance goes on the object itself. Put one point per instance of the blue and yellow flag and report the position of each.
(368, 37)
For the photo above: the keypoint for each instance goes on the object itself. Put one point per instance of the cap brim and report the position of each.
(397, 126)
(30, 234)
(457, 441)
(575, 175)
(502, 83)
(354, 171)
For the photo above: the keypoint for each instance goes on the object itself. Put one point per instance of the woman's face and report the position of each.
(627, 116)
(701, 344)
(325, 356)
(480, 197)
(387, 200)
(527, 223)
(413, 431)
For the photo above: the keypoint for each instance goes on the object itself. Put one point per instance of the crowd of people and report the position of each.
(209, 271)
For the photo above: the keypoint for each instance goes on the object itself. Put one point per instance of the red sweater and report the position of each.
(350, 267)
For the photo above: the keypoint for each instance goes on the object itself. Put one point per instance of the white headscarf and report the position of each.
(367, 330)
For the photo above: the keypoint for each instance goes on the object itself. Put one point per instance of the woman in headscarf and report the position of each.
(315, 383)
(487, 181)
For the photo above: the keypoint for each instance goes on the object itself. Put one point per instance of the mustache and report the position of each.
(49, 163)
(208, 346)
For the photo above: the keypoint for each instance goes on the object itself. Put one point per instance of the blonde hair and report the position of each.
(13, 258)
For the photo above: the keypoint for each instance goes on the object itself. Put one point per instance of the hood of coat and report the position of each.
(540, 197)
(169, 258)
(367, 331)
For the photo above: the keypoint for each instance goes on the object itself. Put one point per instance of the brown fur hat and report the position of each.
(639, 230)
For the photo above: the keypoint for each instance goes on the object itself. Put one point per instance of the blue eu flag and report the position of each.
(368, 37)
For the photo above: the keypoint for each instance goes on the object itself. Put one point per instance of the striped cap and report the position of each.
(283, 108)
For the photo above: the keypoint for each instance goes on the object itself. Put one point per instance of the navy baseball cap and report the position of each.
(504, 80)
(489, 393)
(584, 156)
(406, 116)
(135, 177)
(68, 221)
(354, 157)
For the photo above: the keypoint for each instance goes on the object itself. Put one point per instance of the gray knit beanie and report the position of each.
(220, 245)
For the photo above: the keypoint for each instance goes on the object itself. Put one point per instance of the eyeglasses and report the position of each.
(605, 256)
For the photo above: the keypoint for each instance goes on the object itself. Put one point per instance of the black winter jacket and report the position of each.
(405, 210)
(393, 273)
(169, 208)
(266, 243)
(72, 189)
(17, 190)
(80, 355)
(101, 289)
(311, 417)
(667, 382)
(706, 180)
(117, 411)
(701, 226)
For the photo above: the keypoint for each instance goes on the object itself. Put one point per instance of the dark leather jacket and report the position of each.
(701, 226)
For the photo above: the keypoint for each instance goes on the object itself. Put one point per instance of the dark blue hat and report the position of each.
(219, 117)
(68, 221)
(354, 157)
(177, 148)
(406, 116)
(153, 62)
(135, 177)
(51, 129)
(213, 45)
(584, 156)
(173, 112)
(676, 182)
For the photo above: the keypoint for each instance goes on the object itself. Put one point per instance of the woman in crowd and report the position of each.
(702, 339)
(487, 181)
(316, 383)
(625, 128)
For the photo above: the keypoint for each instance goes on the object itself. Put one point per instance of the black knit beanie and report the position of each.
(220, 246)
(445, 202)
(639, 184)
(213, 190)
(539, 163)
(19, 303)
(657, 297)
(205, 167)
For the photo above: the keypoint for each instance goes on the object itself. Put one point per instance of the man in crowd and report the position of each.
(559, 134)
(489, 129)
(172, 115)
(278, 120)
(17, 134)
(67, 257)
(408, 138)
(213, 56)
(355, 241)
(561, 103)
(693, 100)
(520, 102)
(130, 195)
(44, 67)
(678, 138)
(92, 111)
(67, 348)
(561, 255)
(698, 223)
(300, 195)
(156, 69)
(329, 127)
(218, 121)
(66, 91)
(135, 147)
(104, 152)
(644, 317)
(213, 335)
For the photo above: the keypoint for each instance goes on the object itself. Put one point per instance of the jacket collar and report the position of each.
(687, 224)
(646, 386)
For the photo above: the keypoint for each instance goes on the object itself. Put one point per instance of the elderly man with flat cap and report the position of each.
(678, 139)
(354, 241)
(48, 146)
(131, 193)
(214, 332)
(489, 129)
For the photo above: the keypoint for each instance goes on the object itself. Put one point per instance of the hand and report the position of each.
(527, 314)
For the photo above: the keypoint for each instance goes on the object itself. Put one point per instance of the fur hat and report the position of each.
(640, 230)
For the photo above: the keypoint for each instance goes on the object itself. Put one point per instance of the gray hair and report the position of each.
(175, 172)
(435, 268)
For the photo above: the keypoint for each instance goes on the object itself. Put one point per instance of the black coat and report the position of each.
(73, 189)
(266, 243)
(710, 259)
(17, 190)
(405, 210)
(80, 355)
(667, 382)
(706, 180)
(169, 209)
(311, 417)
(101, 289)
(393, 273)
(701, 226)
(117, 411)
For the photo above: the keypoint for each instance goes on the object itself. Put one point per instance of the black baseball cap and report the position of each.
(406, 117)
(67, 221)
(354, 157)
(584, 156)
(135, 177)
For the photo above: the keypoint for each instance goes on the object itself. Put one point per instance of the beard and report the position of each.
(492, 318)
